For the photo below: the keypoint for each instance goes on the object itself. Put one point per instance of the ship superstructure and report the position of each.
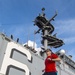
(18, 59)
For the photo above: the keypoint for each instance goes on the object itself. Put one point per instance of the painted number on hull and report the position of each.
(7, 61)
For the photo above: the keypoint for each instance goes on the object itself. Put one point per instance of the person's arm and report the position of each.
(56, 59)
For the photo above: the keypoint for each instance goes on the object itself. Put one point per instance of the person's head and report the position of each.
(48, 52)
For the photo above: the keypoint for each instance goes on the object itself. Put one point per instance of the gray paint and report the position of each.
(37, 64)
(3, 44)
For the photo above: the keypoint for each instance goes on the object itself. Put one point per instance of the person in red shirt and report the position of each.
(50, 66)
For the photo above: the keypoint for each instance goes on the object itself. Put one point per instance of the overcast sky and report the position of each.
(16, 18)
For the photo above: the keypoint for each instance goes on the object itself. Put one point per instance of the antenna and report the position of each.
(17, 39)
(34, 40)
(11, 36)
(47, 29)
(28, 37)
(43, 14)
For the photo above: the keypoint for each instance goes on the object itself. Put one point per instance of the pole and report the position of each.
(34, 41)
(45, 42)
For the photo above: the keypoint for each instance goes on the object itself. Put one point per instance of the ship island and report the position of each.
(19, 59)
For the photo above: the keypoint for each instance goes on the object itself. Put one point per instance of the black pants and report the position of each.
(50, 73)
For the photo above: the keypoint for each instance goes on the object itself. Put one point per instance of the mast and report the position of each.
(47, 29)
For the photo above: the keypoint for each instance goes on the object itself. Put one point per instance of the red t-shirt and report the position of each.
(50, 65)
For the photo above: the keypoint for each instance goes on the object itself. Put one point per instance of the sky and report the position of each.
(17, 16)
